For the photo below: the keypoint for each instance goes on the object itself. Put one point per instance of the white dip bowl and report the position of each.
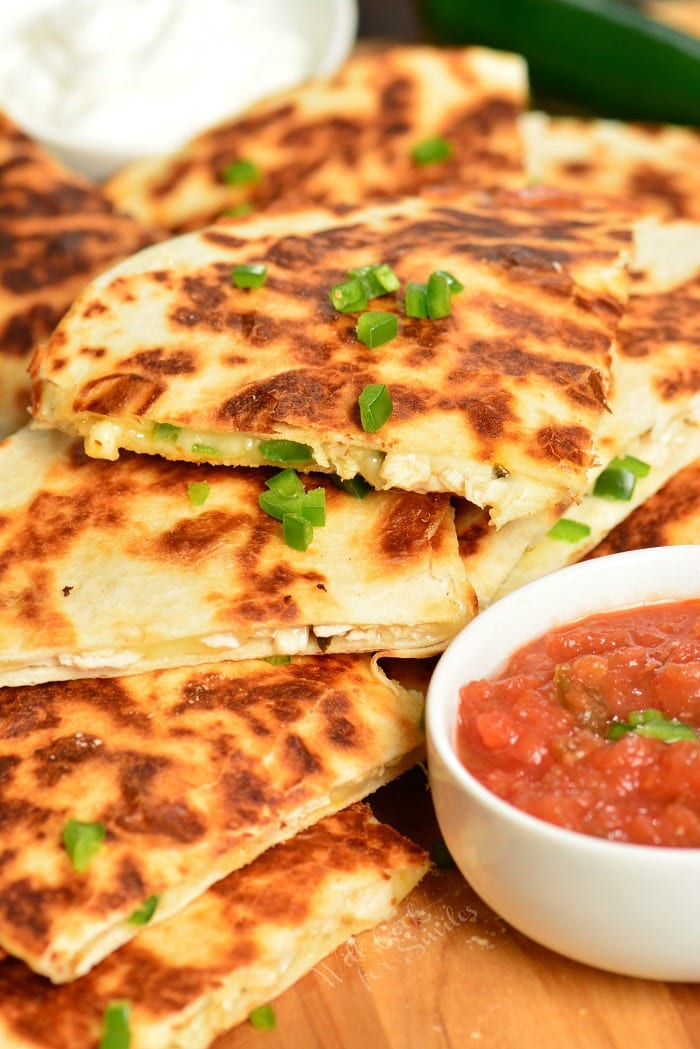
(631, 909)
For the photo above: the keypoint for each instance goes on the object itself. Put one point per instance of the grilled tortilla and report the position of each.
(110, 568)
(670, 517)
(657, 166)
(57, 232)
(236, 947)
(192, 771)
(655, 404)
(499, 402)
(347, 139)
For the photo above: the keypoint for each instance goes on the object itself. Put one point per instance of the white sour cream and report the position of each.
(140, 77)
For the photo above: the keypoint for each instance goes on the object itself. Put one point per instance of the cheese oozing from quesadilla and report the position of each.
(499, 402)
(192, 772)
(58, 231)
(111, 568)
(345, 140)
(235, 948)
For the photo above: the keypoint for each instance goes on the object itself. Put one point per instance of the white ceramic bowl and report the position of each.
(631, 909)
(326, 29)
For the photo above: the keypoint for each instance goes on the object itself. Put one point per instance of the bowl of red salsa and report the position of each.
(563, 729)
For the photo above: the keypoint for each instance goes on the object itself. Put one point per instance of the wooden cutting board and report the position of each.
(447, 973)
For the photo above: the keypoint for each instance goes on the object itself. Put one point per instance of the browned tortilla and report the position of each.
(57, 231)
(347, 139)
(236, 947)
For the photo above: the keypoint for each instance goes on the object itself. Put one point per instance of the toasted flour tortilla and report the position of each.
(58, 231)
(347, 139)
(670, 517)
(500, 402)
(655, 417)
(236, 947)
(657, 166)
(192, 771)
(110, 568)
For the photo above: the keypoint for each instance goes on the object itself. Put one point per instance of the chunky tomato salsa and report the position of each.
(596, 726)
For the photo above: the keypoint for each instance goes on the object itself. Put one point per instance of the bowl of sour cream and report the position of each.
(563, 733)
(101, 83)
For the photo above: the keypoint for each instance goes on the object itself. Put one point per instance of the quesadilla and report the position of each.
(670, 517)
(191, 772)
(235, 948)
(653, 425)
(58, 231)
(500, 401)
(345, 140)
(112, 568)
(657, 166)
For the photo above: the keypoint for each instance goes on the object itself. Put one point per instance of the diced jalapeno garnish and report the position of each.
(249, 274)
(198, 492)
(143, 914)
(283, 451)
(165, 432)
(375, 407)
(355, 486)
(241, 173)
(432, 150)
(415, 302)
(376, 327)
(82, 841)
(116, 1033)
(350, 296)
(297, 531)
(569, 531)
(263, 1018)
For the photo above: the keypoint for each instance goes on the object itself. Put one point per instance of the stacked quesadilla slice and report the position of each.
(500, 401)
(58, 231)
(234, 948)
(346, 140)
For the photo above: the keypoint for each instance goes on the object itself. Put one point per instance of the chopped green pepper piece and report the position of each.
(313, 507)
(286, 482)
(636, 466)
(277, 661)
(615, 482)
(249, 274)
(371, 285)
(263, 1018)
(375, 407)
(569, 531)
(165, 432)
(241, 173)
(297, 531)
(455, 285)
(204, 449)
(277, 505)
(82, 841)
(355, 486)
(376, 327)
(654, 724)
(284, 451)
(432, 150)
(143, 914)
(198, 492)
(238, 211)
(438, 296)
(415, 303)
(116, 1033)
(350, 296)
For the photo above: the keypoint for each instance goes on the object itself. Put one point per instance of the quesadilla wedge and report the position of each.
(58, 231)
(670, 517)
(191, 773)
(115, 568)
(237, 947)
(653, 429)
(656, 166)
(500, 401)
(345, 140)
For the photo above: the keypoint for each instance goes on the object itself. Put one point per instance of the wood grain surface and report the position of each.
(447, 973)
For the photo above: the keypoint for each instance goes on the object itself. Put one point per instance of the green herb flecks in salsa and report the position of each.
(82, 841)
(653, 724)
